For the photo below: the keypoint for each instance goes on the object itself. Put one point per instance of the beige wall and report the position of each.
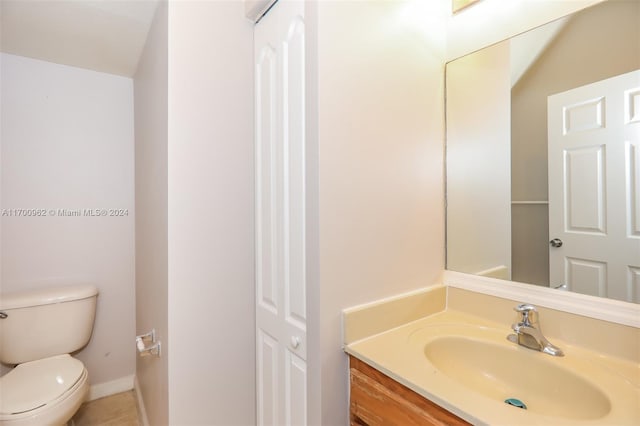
(151, 103)
(67, 143)
(530, 243)
(380, 156)
(210, 215)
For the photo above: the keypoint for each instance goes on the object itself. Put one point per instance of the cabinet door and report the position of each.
(378, 400)
(281, 311)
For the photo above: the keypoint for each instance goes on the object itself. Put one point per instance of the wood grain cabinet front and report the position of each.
(377, 400)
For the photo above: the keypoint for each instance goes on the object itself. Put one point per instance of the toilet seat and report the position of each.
(42, 390)
(37, 383)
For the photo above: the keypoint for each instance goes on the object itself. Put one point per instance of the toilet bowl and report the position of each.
(38, 330)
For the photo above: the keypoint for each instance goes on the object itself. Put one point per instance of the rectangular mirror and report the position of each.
(543, 155)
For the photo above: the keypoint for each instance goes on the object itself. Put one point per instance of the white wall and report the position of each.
(210, 220)
(380, 165)
(67, 143)
(194, 193)
(151, 103)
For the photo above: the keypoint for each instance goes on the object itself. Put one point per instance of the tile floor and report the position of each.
(115, 410)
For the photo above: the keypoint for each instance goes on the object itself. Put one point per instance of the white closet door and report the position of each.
(594, 188)
(281, 312)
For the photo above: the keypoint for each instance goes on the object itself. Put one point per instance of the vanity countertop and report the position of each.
(402, 354)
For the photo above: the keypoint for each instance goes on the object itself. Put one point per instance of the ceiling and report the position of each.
(101, 35)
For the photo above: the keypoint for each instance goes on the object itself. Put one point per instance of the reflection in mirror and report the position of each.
(554, 205)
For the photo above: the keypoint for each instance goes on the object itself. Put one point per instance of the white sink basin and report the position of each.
(500, 372)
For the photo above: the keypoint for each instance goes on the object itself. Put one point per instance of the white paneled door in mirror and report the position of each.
(281, 313)
(594, 188)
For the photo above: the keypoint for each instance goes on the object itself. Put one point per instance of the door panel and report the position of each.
(632, 106)
(294, 142)
(586, 276)
(633, 187)
(266, 284)
(296, 390)
(267, 364)
(584, 116)
(585, 189)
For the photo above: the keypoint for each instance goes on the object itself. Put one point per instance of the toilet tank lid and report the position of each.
(47, 296)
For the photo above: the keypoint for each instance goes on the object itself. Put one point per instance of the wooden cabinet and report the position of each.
(376, 399)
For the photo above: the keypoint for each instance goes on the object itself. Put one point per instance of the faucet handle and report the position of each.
(529, 314)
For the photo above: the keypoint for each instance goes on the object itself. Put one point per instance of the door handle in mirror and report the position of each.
(556, 242)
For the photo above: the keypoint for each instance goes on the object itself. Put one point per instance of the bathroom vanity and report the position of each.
(451, 362)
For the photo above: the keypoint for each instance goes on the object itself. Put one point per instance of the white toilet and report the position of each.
(38, 331)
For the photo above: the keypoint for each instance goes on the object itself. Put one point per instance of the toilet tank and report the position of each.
(46, 322)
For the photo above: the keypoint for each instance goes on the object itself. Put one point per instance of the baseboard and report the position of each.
(100, 390)
(142, 411)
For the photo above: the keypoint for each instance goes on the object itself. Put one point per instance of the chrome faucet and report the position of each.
(528, 332)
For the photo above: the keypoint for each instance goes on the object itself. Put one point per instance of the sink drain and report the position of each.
(516, 403)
